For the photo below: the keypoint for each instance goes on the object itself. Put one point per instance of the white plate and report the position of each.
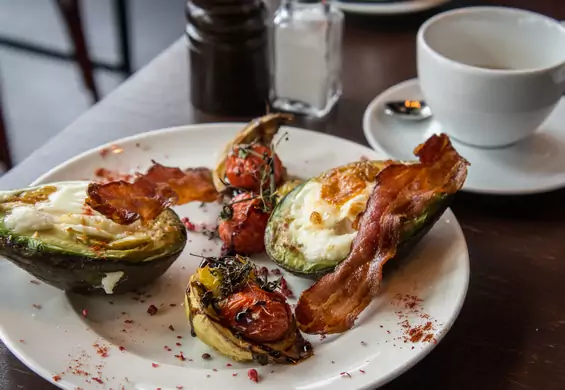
(534, 165)
(437, 272)
(384, 8)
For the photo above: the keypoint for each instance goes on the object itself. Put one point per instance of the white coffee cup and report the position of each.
(476, 104)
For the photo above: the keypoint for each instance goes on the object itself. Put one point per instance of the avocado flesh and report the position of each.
(283, 250)
(113, 259)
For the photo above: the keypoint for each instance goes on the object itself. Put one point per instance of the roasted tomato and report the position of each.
(247, 165)
(257, 314)
(242, 227)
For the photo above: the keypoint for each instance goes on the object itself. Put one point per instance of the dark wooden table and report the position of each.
(511, 331)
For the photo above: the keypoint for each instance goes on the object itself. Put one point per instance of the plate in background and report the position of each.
(387, 7)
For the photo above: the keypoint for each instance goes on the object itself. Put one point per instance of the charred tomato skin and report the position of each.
(257, 314)
(246, 165)
(243, 231)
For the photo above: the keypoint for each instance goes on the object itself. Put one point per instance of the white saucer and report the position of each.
(388, 8)
(536, 164)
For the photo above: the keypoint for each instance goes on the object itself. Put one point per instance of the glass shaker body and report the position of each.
(306, 50)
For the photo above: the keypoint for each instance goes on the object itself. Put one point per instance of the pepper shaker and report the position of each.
(306, 50)
(228, 56)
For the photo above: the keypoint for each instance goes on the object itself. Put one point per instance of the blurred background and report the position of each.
(42, 88)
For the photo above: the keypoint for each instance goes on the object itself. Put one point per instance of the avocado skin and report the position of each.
(407, 244)
(72, 272)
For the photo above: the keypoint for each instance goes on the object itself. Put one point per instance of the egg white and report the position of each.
(65, 211)
(331, 239)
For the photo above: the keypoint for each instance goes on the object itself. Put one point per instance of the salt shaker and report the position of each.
(306, 50)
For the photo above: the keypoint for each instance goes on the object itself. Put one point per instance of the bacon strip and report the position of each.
(402, 192)
(150, 193)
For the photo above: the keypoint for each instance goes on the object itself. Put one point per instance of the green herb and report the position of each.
(232, 271)
(227, 212)
(270, 286)
(243, 151)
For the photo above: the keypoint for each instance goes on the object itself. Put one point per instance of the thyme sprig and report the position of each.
(267, 193)
(234, 272)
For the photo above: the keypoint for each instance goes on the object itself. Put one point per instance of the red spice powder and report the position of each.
(413, 334)
(154, 365)
(56, 378)
(253, 375)
(181, 357)
(97, 380)
(189, 225)
(285, 290)
(429, 338)
(121, 348)
(407, 300)
(101, 350)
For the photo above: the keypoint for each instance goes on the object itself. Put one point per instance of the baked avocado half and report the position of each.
(49, 232)
(241, 315)
(311, 229)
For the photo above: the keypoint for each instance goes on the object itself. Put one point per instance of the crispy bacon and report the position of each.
(150, 193)
(402, 192)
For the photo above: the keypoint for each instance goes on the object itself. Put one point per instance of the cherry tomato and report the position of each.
(243, 228)
(246, 165)
(257, 314)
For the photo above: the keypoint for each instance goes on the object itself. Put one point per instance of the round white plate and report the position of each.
(534, 165)
(372, 353)
(385, 8)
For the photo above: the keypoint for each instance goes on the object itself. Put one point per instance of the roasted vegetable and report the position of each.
(242, 224)
(50, 232)
(241, 315)
(260, 131)
(311, 228)
(249, 166)
(397, 205)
